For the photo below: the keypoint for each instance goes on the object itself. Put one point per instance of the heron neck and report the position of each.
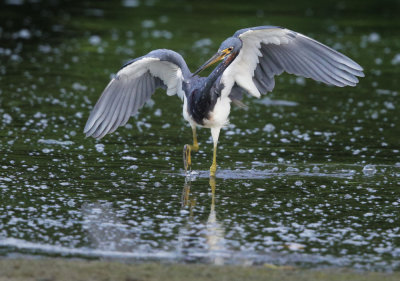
(215, 74)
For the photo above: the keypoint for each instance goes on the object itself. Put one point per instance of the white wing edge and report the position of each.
(242, 68)
(168, 72)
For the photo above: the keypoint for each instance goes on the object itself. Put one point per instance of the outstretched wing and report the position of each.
(133, 86)
(268, 51)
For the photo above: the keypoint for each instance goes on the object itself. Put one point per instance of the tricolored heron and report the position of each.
(250, 60)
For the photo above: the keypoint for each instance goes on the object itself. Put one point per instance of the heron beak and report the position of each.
(215, 58)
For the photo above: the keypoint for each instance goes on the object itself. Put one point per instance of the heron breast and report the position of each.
(219, 116)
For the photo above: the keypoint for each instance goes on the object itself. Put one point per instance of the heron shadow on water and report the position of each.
(249, 60)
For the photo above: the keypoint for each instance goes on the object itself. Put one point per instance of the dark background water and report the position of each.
(309, 175)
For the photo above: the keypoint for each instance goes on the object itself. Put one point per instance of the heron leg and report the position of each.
(215, 135)
(187, 149)
(187, 161)
(195, 146)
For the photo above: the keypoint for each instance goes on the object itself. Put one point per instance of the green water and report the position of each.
(308, 176)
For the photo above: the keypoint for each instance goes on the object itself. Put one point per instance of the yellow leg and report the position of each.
(215, 135)
(187, 161)
(213, 168)
(195, 146)
(187, 149)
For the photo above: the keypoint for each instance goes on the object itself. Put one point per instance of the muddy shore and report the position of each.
(66, 269)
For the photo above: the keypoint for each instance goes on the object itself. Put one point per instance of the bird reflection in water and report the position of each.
(198, 240)
(213, 230)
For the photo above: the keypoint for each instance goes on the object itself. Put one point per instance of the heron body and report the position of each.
(204, 104)
(249, 61)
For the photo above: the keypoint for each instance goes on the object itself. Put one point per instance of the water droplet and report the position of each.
(369, 170)
(94, 40)
(269, 128)
(99, 147)
(298, 183)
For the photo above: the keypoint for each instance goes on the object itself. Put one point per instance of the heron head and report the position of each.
(228, 49)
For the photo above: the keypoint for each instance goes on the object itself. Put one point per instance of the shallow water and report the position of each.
(308, 176)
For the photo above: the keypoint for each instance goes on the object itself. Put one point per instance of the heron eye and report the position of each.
(230, 49)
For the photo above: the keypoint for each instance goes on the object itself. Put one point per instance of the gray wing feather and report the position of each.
(121, 111)
(309, 58)
(132, 88)
(139, 94)
(108, 116)
(282, 50)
